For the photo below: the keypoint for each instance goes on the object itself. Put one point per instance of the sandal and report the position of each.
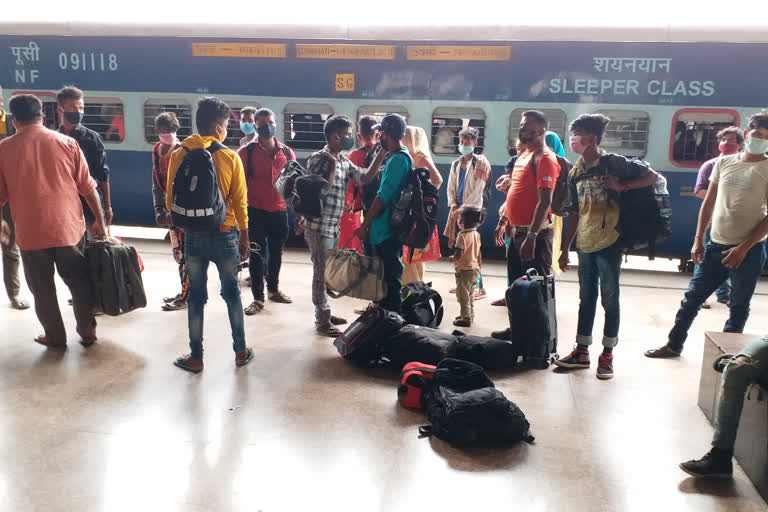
(244, 357)
(280, 297)
(328, 330)
(174, 306)
(255, 307)
(17, 303)
(89, 340)
(183, 362)
(706, 305)
(499, 302)
(336, 320)
(664, 352)
(43, 340)
(462, 322)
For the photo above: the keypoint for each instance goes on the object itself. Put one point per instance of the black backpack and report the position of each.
(645, 217)
(198, 204)
(422, 305)
(465, 408)
(365, 340)
(561, 195)
(414, 215)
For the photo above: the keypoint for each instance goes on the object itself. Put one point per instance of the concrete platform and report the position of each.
(117, 427)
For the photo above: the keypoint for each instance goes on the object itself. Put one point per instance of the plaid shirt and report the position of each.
(333, 199)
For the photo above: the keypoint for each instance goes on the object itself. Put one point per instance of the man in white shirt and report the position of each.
(736, 204)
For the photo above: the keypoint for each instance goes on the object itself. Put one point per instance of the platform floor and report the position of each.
(117, 427)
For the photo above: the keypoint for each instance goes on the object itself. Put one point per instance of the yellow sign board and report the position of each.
(345, 82)
(346, 51)
(481, 53)
(252, 50)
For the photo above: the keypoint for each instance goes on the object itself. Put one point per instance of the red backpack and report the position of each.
(412, 382)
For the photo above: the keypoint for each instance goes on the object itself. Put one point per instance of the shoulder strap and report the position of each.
(249, 149)
(215, 146)
(285, 150)
(156, 158)
(535, 158)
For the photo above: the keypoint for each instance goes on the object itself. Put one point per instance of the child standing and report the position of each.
(467, 260)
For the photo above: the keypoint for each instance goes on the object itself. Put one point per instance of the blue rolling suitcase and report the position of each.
(533, 318)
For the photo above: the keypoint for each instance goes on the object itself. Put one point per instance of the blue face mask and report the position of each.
(247, 128)
(466, 150)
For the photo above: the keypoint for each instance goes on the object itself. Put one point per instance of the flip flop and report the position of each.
(335, 320)
(328, 330)
(181, 362)
(255, 307)
(664, 352)
(43, 340)
(247, 359)
(19, 304)
(499, 302)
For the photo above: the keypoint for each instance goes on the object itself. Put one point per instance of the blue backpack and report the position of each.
(198, 204)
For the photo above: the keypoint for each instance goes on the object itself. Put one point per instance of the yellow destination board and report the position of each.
(251, 50)
(346, 51)
(482, 53)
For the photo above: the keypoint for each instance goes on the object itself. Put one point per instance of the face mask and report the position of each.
(222, 135)
(266, 131)
(466, 150)
(728, 148)
(73, 117)
(167, 138)
(577, 146)
(247, 128)
(756, 146)
(347, 143)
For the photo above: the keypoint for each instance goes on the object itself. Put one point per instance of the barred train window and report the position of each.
(555, 117)
(447, 122)
(694, 137)
(105, 117)
(153, 107)
(234, 134)
(50, 113)
(379, 111)
(627, 133)
(303, 124)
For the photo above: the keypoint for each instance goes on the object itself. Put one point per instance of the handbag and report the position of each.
(349, 273)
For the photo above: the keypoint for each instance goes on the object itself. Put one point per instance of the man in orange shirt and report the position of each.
(528, 221)
(49, 219)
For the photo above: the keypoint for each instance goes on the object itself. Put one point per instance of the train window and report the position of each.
(555, 117)
(694, 134)
(50, 114)
(105, 117)
(233, 128)
(627, 133)
(153, 107)
(447, 122)
(379, 111)
(304, 124)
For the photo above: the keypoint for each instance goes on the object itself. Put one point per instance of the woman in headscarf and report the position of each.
(418, 147)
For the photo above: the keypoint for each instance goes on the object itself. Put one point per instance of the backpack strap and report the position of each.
(535, 159)
(156, 157)
(249, 149)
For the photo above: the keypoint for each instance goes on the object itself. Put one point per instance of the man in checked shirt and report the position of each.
(323, 232)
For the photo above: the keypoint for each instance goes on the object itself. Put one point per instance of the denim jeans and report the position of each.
(267, 232)
(604, 268)
(318, 244)
(200, 249)
(390, 251)
(737, 377)
(723, 293)
(713, 273)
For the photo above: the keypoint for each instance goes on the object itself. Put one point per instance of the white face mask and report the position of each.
(756, 146)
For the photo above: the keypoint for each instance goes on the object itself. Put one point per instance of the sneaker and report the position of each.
(605, 366)
(480, 294)
(576, 359)
(715, 464)
(462, 322)
(721, 362)
(175, 305)
(506, 335)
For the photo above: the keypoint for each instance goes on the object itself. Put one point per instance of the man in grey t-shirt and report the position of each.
(736, 203)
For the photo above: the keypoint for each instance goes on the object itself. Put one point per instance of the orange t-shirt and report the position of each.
(469, 243)
(523, 194)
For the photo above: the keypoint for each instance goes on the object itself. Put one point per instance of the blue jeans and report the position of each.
(604, 268)
(390, 251)
(723, 293)
(200, 249)
(713, 273)
(737, 377)
(318, 244)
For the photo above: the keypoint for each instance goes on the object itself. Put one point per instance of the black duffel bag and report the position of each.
(416, 343)
(364, 342)
(115, 276)
(490, 353)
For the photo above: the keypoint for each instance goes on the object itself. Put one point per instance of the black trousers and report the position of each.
(268, 232)
(542, 257)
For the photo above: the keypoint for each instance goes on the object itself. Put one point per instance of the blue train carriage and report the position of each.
(667, 93)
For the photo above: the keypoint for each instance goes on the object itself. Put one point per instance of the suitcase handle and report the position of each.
(532, 272)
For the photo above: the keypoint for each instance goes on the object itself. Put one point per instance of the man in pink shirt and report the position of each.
(46, 208)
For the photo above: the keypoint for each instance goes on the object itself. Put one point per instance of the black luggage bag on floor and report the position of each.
(365, 341)
(533, 318)
(115, 277)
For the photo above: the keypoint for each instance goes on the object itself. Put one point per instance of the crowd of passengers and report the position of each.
(365, 166)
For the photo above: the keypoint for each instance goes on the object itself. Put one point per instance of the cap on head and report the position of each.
(393, 125)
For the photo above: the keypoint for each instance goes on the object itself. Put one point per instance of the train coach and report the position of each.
(667, 92)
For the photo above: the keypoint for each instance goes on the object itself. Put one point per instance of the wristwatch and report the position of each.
(531, 235)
